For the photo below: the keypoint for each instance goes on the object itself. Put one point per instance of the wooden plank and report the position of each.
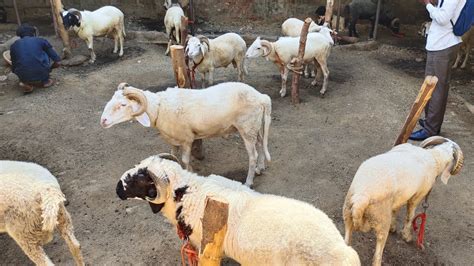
(214, 228)
(298, 63)
(421, 100)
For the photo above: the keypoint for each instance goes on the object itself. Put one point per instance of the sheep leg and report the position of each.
(121, 39)
(318, 75)
(90, 45)
(67, 232)
(115, 43)
(306, 71)
(468, 49)
(211, 76)
(393, 225)
(458, 58)
(36, 253)
(284, 76)
(240, 69)
(260, 154)
(324, 68)
(348, 231)
(174, 150)
(168, 47)
(186, 156)
(382, 235)
(250, 142)
(203, 80)
(411, 207)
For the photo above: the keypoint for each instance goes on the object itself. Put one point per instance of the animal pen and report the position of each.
(317, 141)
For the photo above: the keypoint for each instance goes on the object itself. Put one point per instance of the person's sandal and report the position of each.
(48, 84)
(27, 88)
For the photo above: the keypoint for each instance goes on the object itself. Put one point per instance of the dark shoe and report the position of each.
(421, 122)
(419, 135)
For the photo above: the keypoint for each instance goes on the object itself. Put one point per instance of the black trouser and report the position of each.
(438, 63)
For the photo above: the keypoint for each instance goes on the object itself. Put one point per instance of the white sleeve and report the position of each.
(443, 15)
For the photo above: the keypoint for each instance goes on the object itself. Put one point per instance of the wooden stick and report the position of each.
(183, 80)
(16, 13)
(377, 16)
(57, 7)
(214, 228)
(421, 100)
(338, 15)
(298, 63)
(184, 30)
(329, 8)
(55, 22)
(192, 16)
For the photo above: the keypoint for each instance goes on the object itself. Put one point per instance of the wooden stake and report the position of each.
(16, 13)
(329, 8)
(421, 100)
(377, 16)
(57, 8)
(192, 16)
(298, 63)
(214, 228)
(184, 81)
(184, 30)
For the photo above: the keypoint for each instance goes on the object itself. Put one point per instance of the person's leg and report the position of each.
(436, 107)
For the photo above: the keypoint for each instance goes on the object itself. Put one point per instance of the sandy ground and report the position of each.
(316, 149)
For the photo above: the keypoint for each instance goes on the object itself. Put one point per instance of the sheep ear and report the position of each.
(203, 49)
(446, 174)
(143, 119)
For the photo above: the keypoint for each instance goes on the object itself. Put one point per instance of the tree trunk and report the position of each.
(421, 100)
(57, 9)
(298, 63)
(214, 228)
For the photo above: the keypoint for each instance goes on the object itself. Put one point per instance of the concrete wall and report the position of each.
(410, 11)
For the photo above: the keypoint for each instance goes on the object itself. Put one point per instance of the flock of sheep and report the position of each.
(262, 229)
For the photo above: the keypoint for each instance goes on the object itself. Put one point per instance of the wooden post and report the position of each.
(338, 15)
(329, 8)
(57, 8)
(192, 16)
(421, 100)
(298, 63)
(184, 30)
(184, 81)
(15, 6)
(377, 16)
(214, 228)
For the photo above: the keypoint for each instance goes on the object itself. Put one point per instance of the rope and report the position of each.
(187, 250)
(422, 216)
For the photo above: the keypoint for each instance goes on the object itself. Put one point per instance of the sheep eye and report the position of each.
(258, 48)
(123, 104)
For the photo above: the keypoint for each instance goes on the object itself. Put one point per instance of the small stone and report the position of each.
(3, 77)
(419, 59)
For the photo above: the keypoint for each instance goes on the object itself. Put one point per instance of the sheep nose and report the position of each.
(103, 122)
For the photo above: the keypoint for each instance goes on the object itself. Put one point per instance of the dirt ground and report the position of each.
(316, 149)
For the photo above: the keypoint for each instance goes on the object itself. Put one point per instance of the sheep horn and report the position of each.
(395, 20)
(458, 154)
(122, 85)
(458, 159)
(138, 96)
(433, 141)
(204, 39)
(168, 156)
(75, 12)
(268, 45)
(162, 183)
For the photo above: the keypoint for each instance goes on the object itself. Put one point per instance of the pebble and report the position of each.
(419, 59)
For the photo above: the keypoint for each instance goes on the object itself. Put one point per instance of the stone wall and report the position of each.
(409, 11)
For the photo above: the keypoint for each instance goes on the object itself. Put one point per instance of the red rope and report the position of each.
(187, 250)
(421, 232)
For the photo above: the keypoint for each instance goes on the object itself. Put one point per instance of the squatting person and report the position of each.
(31, 59)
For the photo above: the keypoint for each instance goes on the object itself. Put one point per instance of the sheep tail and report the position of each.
(267, 118)
(359, 204)
(51, 199)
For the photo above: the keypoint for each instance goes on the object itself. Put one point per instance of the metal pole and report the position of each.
(16, 12)
(377, 15)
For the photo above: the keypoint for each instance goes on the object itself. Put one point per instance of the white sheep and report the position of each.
(31, 207)
(262, 229)
(107, 21)
(172, 23)
(209, 54)
(292, 27)
(281, 52)
(384, 183)
(182, 116)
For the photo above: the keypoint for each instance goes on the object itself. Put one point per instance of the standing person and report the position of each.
(442, 46)
(30, 57)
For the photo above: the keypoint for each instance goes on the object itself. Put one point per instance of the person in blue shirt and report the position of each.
(31, 58)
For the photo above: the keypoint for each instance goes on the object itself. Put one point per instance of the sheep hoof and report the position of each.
(463, 66)
(322, 92)
(407, 236)
(283, 93)
(248, 185)
(314, 83)
(393, 229)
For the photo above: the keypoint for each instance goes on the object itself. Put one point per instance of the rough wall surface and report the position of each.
(409, 11)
